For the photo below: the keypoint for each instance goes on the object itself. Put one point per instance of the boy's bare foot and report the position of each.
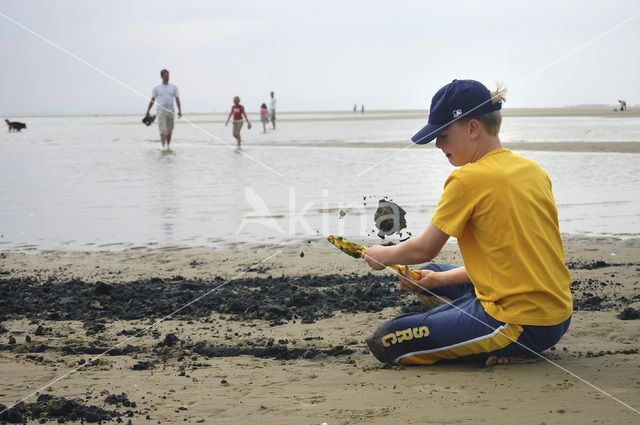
(495, 360)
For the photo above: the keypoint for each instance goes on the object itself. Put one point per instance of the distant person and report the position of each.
(623, 105)
(237, 111)
(264, 117)
(165, 93)
(355, 107)
(272, 107)
(362, 110)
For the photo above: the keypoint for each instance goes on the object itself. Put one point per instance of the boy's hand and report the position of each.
(428, 280)
(374, 256)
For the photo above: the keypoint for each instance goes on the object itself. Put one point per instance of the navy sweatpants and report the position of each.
(459, 330)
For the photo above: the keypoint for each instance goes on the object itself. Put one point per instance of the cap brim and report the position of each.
(428, 133)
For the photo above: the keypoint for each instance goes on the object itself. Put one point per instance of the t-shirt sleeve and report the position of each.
(177, 92)
(454, 207)
(154, 92)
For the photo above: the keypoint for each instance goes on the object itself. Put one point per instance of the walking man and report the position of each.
(272, 107)
(164, 94)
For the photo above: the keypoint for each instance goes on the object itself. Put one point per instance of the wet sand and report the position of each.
(381, 114)
(283, 343)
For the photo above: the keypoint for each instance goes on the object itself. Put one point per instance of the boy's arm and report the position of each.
(454, 276)
(413, 251)
(179, 107)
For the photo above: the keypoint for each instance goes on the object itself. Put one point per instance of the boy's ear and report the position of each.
(473, 126)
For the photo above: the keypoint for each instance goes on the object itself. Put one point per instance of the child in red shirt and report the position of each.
(237, 110)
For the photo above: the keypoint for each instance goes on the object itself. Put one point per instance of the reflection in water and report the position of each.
(169, 216)
(166, 201)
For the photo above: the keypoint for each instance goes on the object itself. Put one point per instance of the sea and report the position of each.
(104, 183)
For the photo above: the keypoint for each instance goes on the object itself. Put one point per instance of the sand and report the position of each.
(381, 114)
(213, 363)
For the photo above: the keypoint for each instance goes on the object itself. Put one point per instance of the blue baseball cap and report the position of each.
(458, 99)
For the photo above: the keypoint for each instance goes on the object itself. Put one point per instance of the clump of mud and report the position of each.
(48, 407)
(389, 218)
(629, 313)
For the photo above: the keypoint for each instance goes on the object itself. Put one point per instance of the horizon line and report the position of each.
(594, 106)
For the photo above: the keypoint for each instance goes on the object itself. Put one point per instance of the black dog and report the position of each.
(15, 125)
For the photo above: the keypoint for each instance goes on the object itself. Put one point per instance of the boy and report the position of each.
(511, 297)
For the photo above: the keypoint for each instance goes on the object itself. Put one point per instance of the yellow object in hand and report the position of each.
(356, 251)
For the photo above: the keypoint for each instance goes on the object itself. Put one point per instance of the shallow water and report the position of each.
(103, 182)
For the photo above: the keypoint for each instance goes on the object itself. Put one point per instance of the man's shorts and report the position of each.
(459, 330)
(165, 122)
(272, 114)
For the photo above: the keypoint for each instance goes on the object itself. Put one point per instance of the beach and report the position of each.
(187, 195)
(198, 286)
(245, 352)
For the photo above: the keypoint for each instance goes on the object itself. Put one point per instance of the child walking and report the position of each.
(511, 298)
(237, 111)
(264, 117)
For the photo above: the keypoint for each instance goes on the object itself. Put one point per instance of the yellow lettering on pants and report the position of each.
(420, 332)
(404, 335)
(387, 337)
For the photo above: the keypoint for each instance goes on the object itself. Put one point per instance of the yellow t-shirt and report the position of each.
(501, 210)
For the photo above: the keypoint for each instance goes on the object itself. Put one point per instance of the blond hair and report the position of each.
(493, 120)
(500, 95)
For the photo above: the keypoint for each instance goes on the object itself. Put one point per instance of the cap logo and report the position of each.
(457, 113)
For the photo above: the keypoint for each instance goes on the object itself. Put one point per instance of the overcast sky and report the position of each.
(316, 55)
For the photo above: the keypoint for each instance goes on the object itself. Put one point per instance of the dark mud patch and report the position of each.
(596, 295)
(142, 365)
(68, 350)
(275, 299)
(629, 313)
(60, 409)
(591, 303)
(625, 351)
(592, 265)
(278, 352)
(120, 399)
(262, 349)
(95, 350)
(586, 265)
